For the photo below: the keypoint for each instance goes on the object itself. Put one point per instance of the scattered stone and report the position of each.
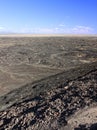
(51, 110)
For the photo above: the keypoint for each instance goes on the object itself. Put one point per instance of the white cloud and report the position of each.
(5, 30)
(82, 29)
(61, 28)
(2, 28)
(45, 30)
(37, 30)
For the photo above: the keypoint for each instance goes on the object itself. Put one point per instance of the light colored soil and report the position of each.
(47, 35)
(84, 116)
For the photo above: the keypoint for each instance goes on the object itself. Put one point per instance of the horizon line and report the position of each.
(44, 34)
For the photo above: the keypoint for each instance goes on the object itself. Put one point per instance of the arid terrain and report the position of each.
(48, 83)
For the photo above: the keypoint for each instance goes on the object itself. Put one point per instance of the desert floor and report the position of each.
(48, 82)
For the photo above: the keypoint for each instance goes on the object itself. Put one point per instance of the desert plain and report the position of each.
(48, 82)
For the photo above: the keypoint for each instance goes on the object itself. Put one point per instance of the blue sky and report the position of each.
(48, 16)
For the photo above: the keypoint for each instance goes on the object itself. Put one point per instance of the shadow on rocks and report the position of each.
(87, 127)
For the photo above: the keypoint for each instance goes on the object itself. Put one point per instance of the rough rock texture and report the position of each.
(53, 110)
(48, 83)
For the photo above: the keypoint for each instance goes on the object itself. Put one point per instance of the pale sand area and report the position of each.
(48, 35)
(84, 116)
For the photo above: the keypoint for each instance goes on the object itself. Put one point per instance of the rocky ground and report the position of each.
(48, 83)
(28, 59)
(72, 106)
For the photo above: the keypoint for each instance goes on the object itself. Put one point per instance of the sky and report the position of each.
(48, 16)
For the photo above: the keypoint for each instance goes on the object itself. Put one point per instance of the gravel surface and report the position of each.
(56, 109)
